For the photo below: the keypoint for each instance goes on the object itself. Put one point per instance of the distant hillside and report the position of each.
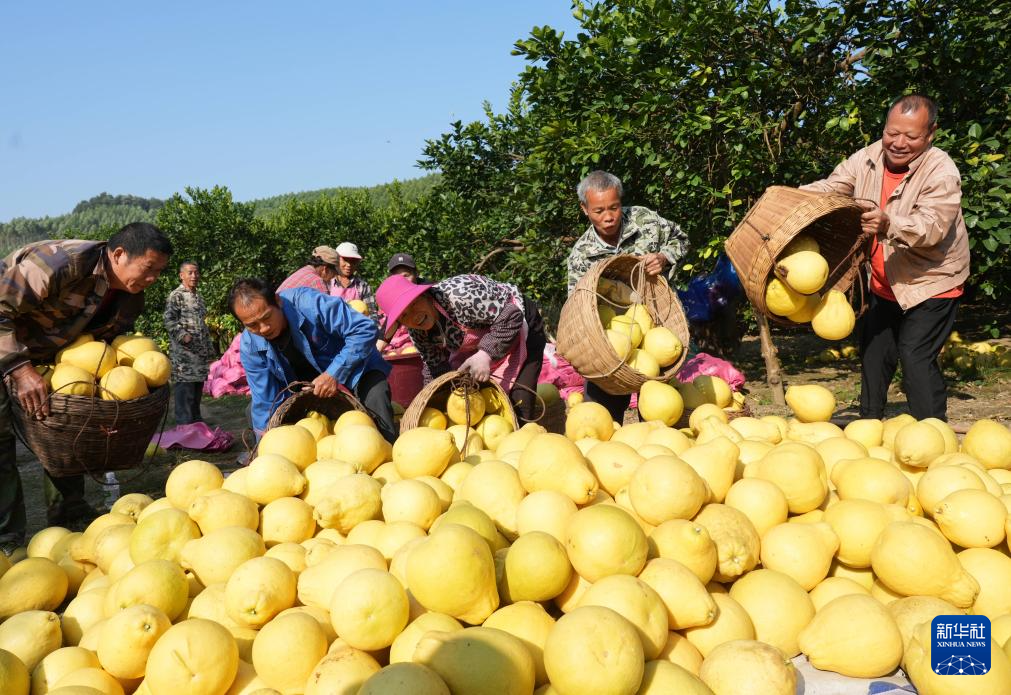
(106, 212)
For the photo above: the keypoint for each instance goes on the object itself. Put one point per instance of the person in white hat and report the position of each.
(348, 284)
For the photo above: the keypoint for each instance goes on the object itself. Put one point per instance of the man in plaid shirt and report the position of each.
(51, 292)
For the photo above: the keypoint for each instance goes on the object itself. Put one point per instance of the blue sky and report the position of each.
(262, 97)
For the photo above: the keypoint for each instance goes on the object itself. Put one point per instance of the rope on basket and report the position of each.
(544, 407)
(466, 385)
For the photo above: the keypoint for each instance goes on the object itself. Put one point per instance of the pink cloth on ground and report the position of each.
(704, 364)
(197, 435)
(556, 370)
(226, 377)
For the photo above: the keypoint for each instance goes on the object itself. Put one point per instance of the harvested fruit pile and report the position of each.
(125, 369)
(620, 560)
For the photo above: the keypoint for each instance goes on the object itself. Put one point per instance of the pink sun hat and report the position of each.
(395, 293)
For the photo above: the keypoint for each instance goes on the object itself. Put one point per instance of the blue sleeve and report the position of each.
(262, 386)
(358, 333)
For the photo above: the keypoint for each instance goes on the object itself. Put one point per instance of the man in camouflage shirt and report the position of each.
(51, 292)
(618, 230)
(189, 344)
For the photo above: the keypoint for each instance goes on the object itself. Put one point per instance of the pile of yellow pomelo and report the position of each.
(127, 368)
(800, 274)
(970, 357)
(635, 559)
(636, 341)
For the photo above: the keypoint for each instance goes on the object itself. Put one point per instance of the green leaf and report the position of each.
(975, 131)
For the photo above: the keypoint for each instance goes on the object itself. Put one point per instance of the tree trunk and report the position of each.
(773, 373)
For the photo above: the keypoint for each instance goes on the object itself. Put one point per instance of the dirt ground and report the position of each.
(969, 399)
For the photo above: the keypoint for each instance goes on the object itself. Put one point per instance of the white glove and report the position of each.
(478, 365)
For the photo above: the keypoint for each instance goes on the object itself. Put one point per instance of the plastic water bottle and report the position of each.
(111, 485)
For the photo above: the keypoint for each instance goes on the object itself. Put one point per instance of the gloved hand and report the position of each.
(478, 365)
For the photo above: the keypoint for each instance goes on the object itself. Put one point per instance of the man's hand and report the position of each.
(874, 221)
(655, 263)
(324, 386)
(478, 365)
(32, 391)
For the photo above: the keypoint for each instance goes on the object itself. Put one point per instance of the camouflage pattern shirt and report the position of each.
(184, 316)
(642, 231)
(53, 291)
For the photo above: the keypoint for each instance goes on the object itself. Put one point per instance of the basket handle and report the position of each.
(544, 407)
(467, 385)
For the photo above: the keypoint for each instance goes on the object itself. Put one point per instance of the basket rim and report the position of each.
(412, 413)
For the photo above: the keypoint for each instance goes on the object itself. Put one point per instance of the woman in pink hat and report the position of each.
(473, 324)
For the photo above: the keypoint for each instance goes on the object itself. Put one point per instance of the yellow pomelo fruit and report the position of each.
(992, 569)
(801, 242)
(369, 609)
(665, 488)
(464, 409)
(258, 590)
(867, 432)
(14, 678)
(835, 449)
(833, 318)
(58, 664)
(222, 508)
(286, 520)
(989, 443)
(920, 667)
(671, 438)
(732, 622)
(644, 362)
(863, 576)
(753, 428)
(30, 635)
(453, 572)
(442, 489)
(778, 606)
(553, 462)
(131, 347)
(359, 306)
(638, 603)
(594, 650)
(832, 588)
(291, 554)
(128, 637)
(810, 402)
(277, 663)
(42, 544)
(913, 560)
(917, 444)
(687, 542)
(294, 443)
(547, 511)
(603, 540)
(385, 473)
(82, 548)
(315, 427)
(402, 649)
(478, 660)
(626, 327)
(494, 428)
(664, 676)
(951, 444)
(352, 417)
(685, 598)
(910, 611)
(87, 681)
(806, 311)
(803, 271)
(433, 418)
(272, 476)
(33, 584)
(621, 343)
(750, 451)
(690, 395)
(568, 600)
(123, 384)
(466, 514)
(613, 463)
(423, 451)
(798, 471)
(761, 501)
(411, 500)
(190, 480)
(131, 504)
(853, 635)
(197, 657)
(705, 411)
(468, 442)
(716, 462)
(802, 551)
(213, 557)
(891, 427)
(317, 582)
(236, 480)
(588, 420)
(72, 381)
(781, 299)
(493, 487)
(971, 518)
(714, 389)
(348, 502)
(84, 612)
(871, 479)
(342, 671)
(322, 474)
(405, 678)
(746, 667)
(665, 347)
(360, 445)
(857, 524)
(640, 314)
(536, 568)
(155, 367)
(158, 583)
(94, 357)
(661, 402)
(737, 542)
(161, 535)
(531, 624)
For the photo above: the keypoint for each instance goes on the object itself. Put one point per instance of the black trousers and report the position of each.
(373, 390)
(187, 396)
(913, 338)
(526, 380)
(616, 405)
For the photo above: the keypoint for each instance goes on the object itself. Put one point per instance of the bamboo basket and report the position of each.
(303, 400)
(581, 337)
(777, 218)
(436, 393)
(88, 435)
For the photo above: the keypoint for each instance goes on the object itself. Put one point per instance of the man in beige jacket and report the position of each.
(919, 260)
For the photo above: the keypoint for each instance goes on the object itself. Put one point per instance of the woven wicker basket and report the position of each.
(777, 218)
(83, 435)
(436, 393)
(303, 400)
(581, 337)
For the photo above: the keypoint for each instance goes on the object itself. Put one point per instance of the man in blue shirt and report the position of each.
(300, 334)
